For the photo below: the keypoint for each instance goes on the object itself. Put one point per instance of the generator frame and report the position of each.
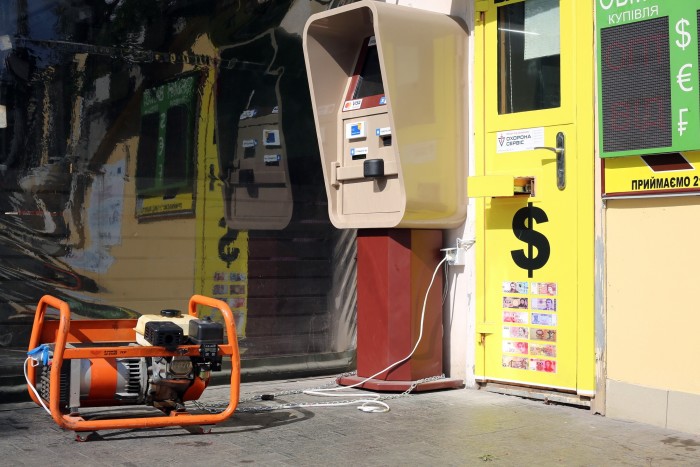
(113, 339)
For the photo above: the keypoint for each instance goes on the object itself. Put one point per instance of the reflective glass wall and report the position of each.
(152, 150)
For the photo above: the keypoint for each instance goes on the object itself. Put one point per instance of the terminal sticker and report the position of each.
(385, 131)
(248, 114)
(272, 159)
(352, 105)
(271, 137)
(359, 153)
(355, 130)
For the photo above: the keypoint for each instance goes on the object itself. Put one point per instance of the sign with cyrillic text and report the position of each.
(669, 174)
(648, 88)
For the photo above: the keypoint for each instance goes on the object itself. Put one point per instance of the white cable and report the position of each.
(31, 386)
(369, 408)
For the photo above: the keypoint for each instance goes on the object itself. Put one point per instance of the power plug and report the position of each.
(457, 256)
(450, 255)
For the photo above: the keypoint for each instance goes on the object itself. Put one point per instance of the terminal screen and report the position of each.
(369, 81)
(366, 86)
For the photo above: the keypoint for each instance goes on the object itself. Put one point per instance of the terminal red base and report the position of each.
(400, 386)
(394, 272)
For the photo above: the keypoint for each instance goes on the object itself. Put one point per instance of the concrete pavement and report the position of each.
(460, 427)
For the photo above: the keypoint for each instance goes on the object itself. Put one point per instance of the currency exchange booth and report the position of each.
(534, 188)
(388, 87)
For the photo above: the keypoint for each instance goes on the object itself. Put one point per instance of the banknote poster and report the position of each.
(515, 287)
(515, 317)
(515, 332)
(546, 304)
(539, 334)
(544, 319)
(518, 363)
(515, 347)
(515, 302)
(547, 366)
(543, 350)
(544, 288)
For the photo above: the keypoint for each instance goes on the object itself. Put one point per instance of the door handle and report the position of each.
(560, 151)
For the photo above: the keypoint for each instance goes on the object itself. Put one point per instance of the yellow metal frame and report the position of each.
(577, 108)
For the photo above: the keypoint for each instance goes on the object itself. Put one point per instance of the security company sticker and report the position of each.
(519, 140)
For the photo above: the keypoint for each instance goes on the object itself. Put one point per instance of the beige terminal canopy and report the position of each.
(389, 92)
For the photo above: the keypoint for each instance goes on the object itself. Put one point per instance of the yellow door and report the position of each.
(534, 183)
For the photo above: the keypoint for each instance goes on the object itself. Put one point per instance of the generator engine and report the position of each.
(164, 382)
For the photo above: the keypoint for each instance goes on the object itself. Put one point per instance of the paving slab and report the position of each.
(455, 427)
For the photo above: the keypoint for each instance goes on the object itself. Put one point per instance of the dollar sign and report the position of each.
(527, 234)
(685, 35)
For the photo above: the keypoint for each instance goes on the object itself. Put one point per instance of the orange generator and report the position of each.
(160, 361)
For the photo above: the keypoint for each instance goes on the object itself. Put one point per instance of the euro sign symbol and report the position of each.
(684, 77)
(685, 35)
(524, 230)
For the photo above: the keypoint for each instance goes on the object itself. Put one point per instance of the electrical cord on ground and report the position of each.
(216, 407)
(374, 404)
(371, 404)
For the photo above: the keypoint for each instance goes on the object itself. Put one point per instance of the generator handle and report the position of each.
(60, 345)
(232, 341)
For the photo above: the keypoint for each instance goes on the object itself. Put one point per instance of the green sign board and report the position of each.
(648, 88)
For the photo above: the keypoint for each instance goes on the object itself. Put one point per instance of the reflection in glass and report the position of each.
(132, 126)
(175, 163)
(529, 75)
